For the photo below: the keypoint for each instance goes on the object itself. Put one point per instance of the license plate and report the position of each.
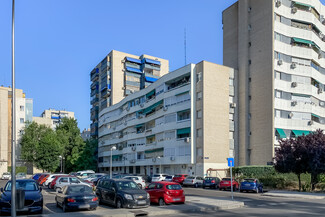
(226, 182)
(142, 202)
(247, 184)
(176, 199)
(207, 184)
(84, 206)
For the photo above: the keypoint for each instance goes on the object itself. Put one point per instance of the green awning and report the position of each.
(303, 41)
(181, 93)
(302, 95)
(183, 131)
(115, 157)
(302, 4)
(315, 45)
(316, 28)
(151, 93)
(186, 110)
(300, 132)
(154, 150)
(315, 115)
(152, 107)
(281, 133)
(139, 125)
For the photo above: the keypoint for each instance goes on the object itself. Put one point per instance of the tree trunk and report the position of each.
(299, 181)
(313, 180)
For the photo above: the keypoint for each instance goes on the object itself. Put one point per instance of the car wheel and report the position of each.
(118, 203)
(57, 190)
(64, 208)
(203, 187)
(161, 202)
(49, 185)
(241, 190)
(261, 190)
(196, 185)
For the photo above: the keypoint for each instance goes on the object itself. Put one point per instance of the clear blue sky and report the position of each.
(58, 42)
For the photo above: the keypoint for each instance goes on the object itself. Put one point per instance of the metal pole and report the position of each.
(61, 164)
(13, 130)
(110, 172)
(160, 165)
(232, 192)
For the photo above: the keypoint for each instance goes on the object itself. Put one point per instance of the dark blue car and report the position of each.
(36, 176)
(33, 202)
(251, 185)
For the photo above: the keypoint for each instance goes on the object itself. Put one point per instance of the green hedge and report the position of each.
(254, 171)
(19, 170)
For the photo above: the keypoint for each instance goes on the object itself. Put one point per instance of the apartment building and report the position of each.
(52, 117)
(182, 123)
(278, 48)
(24, 113)
(119, 75)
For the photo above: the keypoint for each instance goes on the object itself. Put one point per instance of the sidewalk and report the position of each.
(295, 194)
(193, 204)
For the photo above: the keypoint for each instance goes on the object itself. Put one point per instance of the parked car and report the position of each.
(158, 177)
(165, 193)
(137, 179)
(36, 176)
(68, 180)
(251, 185)
(169, 178)
(147, 178)
(50, 179)
(211, 182)
(179, 178)
(194, 181)
(6, 176)
(93, 176)
(74, 197)
(44, 179)
(40, 178)
(73, 174)
(226, 183)
(21, 176)
(52, 184)
(33, 197)
(122, 193)
(84, 174)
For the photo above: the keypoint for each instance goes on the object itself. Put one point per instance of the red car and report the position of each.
(225, 184)
(179, 178)
(51, 186)
(41, 177)
(165, 193)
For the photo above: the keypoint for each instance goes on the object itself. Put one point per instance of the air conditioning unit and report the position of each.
(134, 148)
(132, 161)
(293, 65)
(165, 108)
(187, 140)
(172, 158)
(154, 159)
(290, 115)
(123, 88)
(293, 103)
(320, 90)
(310, 122)
(322, 103)
(233, 105)
(294, 10)
(294, 84)
(278, 4)
(141, 105)
(280, 62)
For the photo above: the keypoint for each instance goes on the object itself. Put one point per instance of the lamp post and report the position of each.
(60, 163)
(112, 149)
(160, 164)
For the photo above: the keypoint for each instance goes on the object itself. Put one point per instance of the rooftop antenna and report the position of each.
(185, 45)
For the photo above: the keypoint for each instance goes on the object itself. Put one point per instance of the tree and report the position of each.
(69, 136)
(40, 147)
(88, 157)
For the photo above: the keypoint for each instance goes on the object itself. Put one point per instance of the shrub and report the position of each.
(19, 170)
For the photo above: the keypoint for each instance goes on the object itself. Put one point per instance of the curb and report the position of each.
(313, 197)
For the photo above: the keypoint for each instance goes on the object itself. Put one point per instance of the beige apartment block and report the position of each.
(52, 118)
(24, 110)
(119, 75)
(182, 123)
(278, 48)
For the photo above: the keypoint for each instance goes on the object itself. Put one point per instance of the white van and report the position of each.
(84, 174)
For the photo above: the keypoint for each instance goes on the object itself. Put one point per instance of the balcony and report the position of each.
(94, 85)
(93, 101)
(94, 76)
(94, 92)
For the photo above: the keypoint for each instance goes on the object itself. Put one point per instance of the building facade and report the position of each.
(182, 123)
(278, 48)
(24, 113)
(52, 117)
(119, 75)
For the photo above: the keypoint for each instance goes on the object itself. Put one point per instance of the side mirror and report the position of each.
(1, 189)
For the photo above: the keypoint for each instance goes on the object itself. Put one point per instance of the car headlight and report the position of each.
(148, 195)
(128, 196)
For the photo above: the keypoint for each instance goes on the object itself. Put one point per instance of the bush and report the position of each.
(19, 170)
(254, 171)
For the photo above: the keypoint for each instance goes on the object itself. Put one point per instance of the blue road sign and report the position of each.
(231, 162)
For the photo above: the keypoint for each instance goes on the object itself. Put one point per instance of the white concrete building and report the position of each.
(182, 123)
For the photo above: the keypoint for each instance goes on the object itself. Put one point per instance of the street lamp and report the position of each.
(61, 163)
(160, 164)
(112, 149)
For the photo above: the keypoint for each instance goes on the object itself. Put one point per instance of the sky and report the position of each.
(58, 42)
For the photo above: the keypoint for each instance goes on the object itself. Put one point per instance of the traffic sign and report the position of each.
(231, 162)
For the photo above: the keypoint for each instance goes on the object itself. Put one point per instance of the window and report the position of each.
(22, 120)
(22, 108)
(231, 82)
(169, 135)
(199, 95)
(199, 114)
(183, 115)
(199, 76)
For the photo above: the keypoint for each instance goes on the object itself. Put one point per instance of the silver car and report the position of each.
(194, 181)
(6, 176)
(63, 181)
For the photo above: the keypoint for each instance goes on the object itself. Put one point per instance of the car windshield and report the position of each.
(156, 175)
(124, 185)
(249, 180)
(6, 173)
(173, 187)
(26, 186)
(79, 189)
(190, 177)
(226, 179)
(178, 176)
(209, 178)
(78, 174)
(169, 177)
